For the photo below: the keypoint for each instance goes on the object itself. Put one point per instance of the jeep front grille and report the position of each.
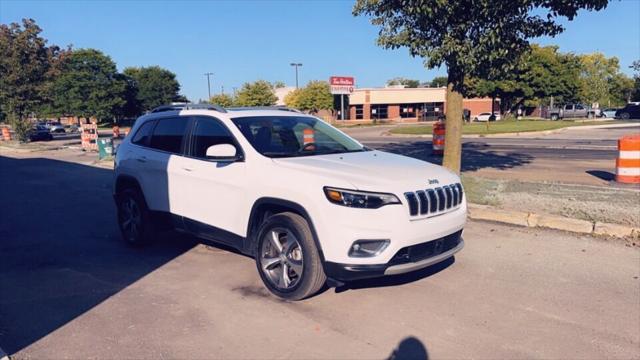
(434, 201)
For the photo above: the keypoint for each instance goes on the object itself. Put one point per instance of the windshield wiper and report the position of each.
(275, 154)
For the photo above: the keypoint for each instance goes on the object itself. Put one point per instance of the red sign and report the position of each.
(342, 80)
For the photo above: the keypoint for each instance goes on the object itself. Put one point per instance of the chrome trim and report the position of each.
(404, 268)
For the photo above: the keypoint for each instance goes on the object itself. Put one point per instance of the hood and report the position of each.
(373, 170)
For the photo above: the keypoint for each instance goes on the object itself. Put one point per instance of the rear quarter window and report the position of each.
(143, 134)
(168, 134)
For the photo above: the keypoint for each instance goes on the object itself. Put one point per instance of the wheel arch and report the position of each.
(126, 182)
(267, 206)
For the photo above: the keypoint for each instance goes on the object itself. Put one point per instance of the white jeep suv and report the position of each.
(308, 202)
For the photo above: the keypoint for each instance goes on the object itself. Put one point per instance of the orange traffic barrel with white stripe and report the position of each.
(628, 161)
(438, 138)
(6, 135)
(308, 139)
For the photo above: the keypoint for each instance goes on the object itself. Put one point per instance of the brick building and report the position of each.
(407, 104)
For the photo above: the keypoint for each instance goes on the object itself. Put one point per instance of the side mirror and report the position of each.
(222, 152)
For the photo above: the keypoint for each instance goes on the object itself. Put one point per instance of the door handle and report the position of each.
(142, 159)
(187, 169)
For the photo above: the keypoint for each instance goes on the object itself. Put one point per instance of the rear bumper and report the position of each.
(350, 272)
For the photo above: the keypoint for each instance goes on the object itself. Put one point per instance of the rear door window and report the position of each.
(168, 134)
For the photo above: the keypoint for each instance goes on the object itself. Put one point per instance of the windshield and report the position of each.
(291, 136)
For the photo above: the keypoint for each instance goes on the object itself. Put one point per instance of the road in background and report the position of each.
(71, 288)
(573, 155)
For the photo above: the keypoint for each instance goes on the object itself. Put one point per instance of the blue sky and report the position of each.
(242, 41)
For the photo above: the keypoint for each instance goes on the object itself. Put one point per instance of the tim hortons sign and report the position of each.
(341, 85)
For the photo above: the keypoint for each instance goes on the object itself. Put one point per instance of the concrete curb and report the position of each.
(525, 219)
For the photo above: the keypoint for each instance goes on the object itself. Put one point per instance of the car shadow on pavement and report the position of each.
(395, 280)
(475, 156)
(60, 249)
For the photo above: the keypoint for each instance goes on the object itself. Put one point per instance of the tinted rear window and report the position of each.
(168, 134)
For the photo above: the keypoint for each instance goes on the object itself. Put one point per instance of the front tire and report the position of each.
(134, 218)
(287, 258)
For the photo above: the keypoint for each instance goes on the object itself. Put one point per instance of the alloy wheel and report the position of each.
(281, 258)
(131, 218)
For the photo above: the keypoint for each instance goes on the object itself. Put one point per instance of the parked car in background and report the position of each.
(73, 128)
(609, 112)
(56, 128)
(39, 132)
(630, 111)
(486, 116)
(573, 111)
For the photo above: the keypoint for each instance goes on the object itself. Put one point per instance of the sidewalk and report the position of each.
(588, 207)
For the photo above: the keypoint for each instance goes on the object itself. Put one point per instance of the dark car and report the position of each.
(40, 133)
(630, 111)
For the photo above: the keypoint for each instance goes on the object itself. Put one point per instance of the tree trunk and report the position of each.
(453, 136)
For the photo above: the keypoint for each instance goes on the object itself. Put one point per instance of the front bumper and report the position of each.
(406, 260)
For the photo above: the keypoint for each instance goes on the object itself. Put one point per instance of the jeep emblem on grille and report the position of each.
(433, 181)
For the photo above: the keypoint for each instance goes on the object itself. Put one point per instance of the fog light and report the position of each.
(368, 248)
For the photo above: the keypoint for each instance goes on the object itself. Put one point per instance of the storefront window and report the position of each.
(409, 110)
(431, 111)
(359, 112)
(379, 112)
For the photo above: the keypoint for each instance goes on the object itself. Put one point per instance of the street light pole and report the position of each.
(296, 65)
(208, 84)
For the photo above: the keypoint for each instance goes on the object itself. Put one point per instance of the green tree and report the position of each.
(409, 83)
(597, 74)
(291, 99)
(438, 81)
(89, 85)
(635, 96)
(314, 97)
(279, 84)
(621, 90)
(155, 86)
(223, 100)
(258, 93)
(473, 38)
(25, 66)
(539, 74)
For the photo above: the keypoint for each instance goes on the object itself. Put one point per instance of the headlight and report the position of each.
(359, 199)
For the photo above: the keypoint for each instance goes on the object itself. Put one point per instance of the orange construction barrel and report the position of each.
(116, 132)
(6, 135)
(438, 138)
(628, 161)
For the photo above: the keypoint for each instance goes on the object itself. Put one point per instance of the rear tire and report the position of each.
(625, 116)
(134, 218)
(554, 117)
(287, 258)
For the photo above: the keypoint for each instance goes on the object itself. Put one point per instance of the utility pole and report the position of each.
(208, 84)
(296, 65)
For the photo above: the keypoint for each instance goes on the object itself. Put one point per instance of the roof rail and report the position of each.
(248, 108)
(188, 106)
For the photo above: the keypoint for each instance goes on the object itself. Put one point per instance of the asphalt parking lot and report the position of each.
(70, 288)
